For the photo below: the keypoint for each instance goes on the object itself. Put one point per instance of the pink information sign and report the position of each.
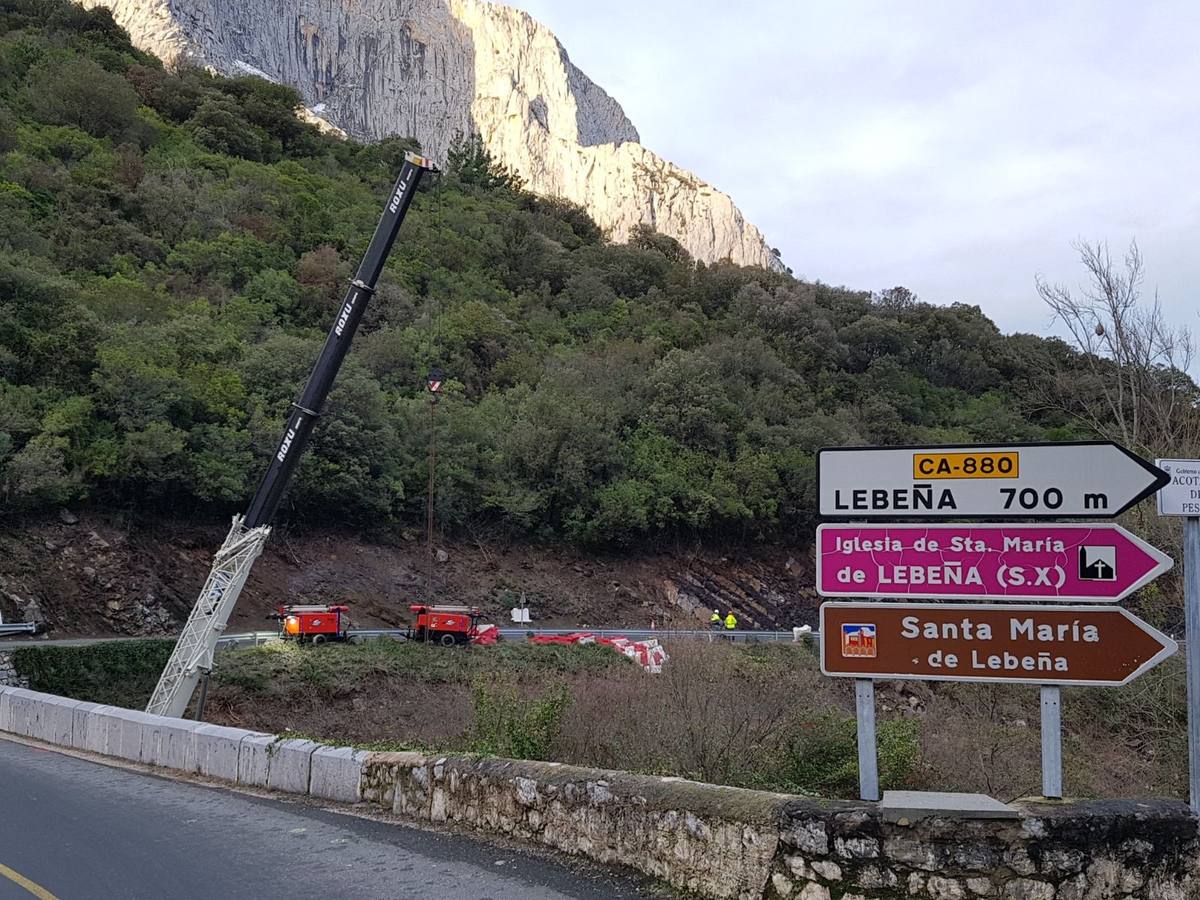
(1099, 562)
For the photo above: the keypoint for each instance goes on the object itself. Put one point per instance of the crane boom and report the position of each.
(193, 653)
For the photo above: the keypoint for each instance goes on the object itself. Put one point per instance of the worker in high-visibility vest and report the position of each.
(730, 621)
(714, 621)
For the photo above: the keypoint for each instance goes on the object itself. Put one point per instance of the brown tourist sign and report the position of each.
(1084, 645)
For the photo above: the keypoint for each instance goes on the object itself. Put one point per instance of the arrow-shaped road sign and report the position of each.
(1094, 562)
(1025, 481)
(1086, 645)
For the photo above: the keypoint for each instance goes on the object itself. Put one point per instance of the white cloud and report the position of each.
(953, 147)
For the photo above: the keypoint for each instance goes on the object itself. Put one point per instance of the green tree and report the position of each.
(78, 92)
(469, 162)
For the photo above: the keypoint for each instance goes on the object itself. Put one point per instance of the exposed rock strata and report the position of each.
(437, 68)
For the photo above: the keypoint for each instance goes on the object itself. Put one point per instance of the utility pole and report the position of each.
(433, 383)
(1181, 497)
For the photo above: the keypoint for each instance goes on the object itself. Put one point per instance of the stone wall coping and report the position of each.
(656, 793)
(396, 758)
(1137, 806)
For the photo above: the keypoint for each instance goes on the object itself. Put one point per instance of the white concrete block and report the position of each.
(104, 731)
(93, 736)
(132, 728)
(337, 774)
(170, 743)
(254, 760)
(6, 692)
(113, 731)
(23, 711)
(291, 763)
(79, 719)
(9, 705)
(55, 719)
(217, 749)
(43, 717)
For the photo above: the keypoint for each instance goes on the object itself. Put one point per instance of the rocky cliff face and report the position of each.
(433, 69)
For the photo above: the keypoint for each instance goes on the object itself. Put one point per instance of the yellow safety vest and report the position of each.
(715, 618)
(730, 622)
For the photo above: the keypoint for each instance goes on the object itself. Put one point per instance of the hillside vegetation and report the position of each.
(172, 247)
(751, 715)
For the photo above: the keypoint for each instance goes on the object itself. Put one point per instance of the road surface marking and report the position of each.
(21, 881)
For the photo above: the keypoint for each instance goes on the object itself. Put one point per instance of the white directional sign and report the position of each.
(1026, 481)
(1181, 496)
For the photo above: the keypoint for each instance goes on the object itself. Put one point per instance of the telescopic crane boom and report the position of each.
(193, 654)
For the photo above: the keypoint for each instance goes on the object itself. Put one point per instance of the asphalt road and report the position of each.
(512, 634)
(73, 829)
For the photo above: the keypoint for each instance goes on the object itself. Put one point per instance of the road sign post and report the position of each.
(1046, 645)
(1181, 497)
(1052, 742)
(1191, 607)
(868, 754)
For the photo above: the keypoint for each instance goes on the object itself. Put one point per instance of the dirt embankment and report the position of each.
(90, 574)
(752, 715)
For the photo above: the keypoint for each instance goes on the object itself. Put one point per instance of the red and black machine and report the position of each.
(445, 625)
(313, 624)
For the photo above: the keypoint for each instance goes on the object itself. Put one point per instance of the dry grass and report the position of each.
(755, 716)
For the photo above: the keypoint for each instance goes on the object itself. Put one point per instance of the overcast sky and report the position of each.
(956, 148)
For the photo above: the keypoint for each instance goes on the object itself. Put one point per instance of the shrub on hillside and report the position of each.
(119, 673)
(79, 92)
(506, 723)
(822, 757)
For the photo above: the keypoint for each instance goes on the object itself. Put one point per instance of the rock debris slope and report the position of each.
(436, 68)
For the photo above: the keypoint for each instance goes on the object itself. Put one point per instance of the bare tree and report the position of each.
(1135, 363)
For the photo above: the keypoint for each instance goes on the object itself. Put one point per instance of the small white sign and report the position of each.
(1181, 495)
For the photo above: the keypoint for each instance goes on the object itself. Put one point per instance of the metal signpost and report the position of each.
(1022, 481)
(1066, 563)
(1088, 563)
(868, 748)
(1051, 742)
(1181, 497)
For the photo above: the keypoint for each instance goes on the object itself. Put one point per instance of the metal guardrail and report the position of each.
(254, 638)
(18, 628)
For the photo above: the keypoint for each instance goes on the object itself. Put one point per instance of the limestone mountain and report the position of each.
(433, 69)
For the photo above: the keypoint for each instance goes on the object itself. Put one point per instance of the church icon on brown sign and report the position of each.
(858, 640)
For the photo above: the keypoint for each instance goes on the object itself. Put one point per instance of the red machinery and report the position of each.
(314, 624)
(446, 625)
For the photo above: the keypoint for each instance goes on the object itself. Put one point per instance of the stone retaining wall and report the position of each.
(714, 841)
(8, 674)
(1098, 850)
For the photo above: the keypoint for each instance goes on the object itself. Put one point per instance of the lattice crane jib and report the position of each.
(193, 653)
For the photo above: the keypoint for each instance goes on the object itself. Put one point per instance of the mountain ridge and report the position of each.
(435, 69)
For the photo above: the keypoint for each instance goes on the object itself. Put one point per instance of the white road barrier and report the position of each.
(254, 760)
(170, 743)
(337, 774)
(291, 764)
(218, 749)
(230, 754)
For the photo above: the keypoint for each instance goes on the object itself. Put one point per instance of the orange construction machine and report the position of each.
(445, 625)
(313, 624)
